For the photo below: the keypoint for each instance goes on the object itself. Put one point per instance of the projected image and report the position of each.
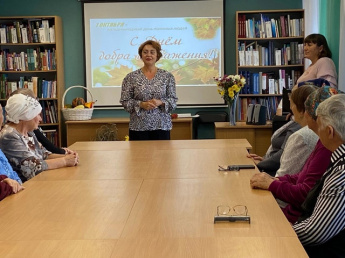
(191, 48)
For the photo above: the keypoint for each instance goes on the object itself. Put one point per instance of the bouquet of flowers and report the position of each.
(229, 86)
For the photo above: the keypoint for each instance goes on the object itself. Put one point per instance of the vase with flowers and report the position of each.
(229, 87)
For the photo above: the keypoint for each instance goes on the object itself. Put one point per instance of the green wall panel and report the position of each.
(71, 13)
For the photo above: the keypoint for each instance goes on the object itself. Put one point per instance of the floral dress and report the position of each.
(25, 154)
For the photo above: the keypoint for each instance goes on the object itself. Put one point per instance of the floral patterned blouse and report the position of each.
(25, 154)
(136, 88)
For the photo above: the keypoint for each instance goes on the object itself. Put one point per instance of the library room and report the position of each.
(199, 128)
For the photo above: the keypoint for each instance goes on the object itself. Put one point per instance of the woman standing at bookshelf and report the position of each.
(317, 51)
(149, 95)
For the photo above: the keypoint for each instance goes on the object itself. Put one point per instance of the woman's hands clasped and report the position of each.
(71, 159)
(150, 104)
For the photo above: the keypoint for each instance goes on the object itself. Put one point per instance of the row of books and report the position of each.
(270, 102)
(266, 27)
(269, 82)
(38, 59)
(49, 111)
(34, 31)
(52, 135)
(255, 54)
(42, 88)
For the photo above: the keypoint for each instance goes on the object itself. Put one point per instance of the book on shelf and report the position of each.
(14, 38)
(45, 26)
(34, 84)
(270, 82)
(18, 27)
(254, 54)
(52, 34)
(3, 36)
(31, 31)
(266, 27)
(31, 86)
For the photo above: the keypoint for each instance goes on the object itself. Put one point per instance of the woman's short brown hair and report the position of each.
(154, 44)
(319, 40)
(300, 95)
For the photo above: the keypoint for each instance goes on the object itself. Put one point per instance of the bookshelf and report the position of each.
(269, 55)
(31, 56)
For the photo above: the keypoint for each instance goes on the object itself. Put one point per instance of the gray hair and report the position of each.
(332, 112)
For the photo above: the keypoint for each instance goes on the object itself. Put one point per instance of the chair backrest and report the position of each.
(206, 120)
(212, 116)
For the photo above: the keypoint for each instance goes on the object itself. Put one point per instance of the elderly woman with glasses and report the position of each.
(18, 142)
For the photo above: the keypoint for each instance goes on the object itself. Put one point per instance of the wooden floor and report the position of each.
(145, 199)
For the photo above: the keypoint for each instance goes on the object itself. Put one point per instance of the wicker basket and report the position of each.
(75, 113)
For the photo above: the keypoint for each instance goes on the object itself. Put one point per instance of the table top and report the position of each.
(173, 144)
(137, 202)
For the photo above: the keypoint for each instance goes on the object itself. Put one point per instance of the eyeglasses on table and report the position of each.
(232, 214)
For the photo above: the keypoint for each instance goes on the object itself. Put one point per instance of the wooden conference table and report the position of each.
(145, 199)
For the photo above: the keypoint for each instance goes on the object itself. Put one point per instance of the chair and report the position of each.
(204, 124)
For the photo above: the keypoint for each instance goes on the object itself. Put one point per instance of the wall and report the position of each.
(341, 74)
(330, 26)
(71, 13)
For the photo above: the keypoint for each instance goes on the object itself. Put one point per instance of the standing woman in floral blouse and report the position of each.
(149, 95)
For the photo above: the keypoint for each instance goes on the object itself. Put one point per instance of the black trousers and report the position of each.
(149, 135)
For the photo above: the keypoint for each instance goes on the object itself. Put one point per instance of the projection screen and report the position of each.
(191, 35)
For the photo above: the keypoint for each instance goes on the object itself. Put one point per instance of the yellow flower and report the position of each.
(236, 88)
(126, 138)
(222, 93)
(231, 93)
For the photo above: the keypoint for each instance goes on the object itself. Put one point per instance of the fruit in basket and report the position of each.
(79, 107)
(68, 106)
(77, 102)
(89, 104)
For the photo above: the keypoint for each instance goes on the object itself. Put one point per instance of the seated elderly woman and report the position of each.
(270, 163)
(9, 181)
(299, 144)
(38, 132)
(293, 189)
(321, 227)
(26, 155)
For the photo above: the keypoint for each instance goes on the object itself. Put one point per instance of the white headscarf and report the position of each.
(22, 107)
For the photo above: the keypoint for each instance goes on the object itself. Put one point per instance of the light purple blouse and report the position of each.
(323, 68)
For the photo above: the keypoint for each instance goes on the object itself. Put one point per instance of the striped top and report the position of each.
(328, 216)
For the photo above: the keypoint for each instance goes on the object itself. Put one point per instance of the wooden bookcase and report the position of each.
(269, 49)
(31, 55)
